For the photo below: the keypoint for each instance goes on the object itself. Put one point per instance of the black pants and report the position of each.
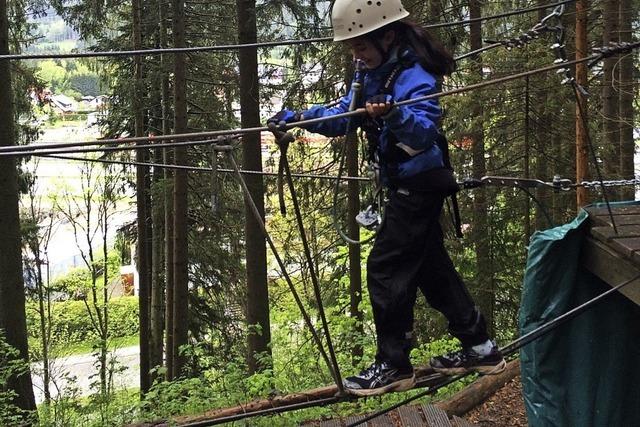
(408, 254)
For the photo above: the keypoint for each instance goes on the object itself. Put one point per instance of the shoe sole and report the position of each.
(483, 370)
(400, 385)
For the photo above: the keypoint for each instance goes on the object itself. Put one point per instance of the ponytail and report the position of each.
(432, 55)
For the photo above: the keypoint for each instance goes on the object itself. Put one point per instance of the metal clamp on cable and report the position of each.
(561, 184)
(535, 31)
(507, 181)
(215, 199)
(469, 183)
(614, 48)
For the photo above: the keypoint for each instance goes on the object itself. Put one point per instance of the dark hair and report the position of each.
(433, 56)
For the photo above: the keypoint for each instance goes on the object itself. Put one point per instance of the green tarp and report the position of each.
(587, 371)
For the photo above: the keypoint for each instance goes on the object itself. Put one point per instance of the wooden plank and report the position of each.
(410, 416)
(333, 422)
(611, 267)
(601, 220)
(626, 245)
(605, 233)
(460, 422)
(617, 210)
(354, 419)
(381, 421)
(435, 417)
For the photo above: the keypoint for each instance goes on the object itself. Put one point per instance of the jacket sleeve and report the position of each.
(334, 127)
(416, 124)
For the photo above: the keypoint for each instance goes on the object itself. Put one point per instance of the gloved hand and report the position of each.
(379, 105)
(283, 117)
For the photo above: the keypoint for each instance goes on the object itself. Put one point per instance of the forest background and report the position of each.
(213, 316)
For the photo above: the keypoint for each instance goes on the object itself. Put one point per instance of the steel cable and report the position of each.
(160, 51)
(26, 150)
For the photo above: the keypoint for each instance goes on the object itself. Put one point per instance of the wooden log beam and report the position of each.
(481, 389)
(425, 377)
(606, 262)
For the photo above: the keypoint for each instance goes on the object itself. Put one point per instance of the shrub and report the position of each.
(71, 323)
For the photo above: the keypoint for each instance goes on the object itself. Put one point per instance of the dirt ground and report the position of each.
(504, 409)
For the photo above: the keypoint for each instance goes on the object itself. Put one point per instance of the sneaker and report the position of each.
(468, 360)
(380, 378)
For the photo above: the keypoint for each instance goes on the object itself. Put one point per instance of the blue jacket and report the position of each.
(407, 143)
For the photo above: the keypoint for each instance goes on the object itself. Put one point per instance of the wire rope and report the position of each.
(284, 141)
(160, 51)
(200, 169)
(282, 266)
(514, 345)
(30, 149)
(507, 350)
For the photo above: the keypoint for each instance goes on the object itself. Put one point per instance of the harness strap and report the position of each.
(446, 159)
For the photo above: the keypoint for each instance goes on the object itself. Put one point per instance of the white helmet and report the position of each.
(354, 18)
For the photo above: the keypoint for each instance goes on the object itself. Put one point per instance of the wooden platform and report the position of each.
(614, 257)
(405, 416)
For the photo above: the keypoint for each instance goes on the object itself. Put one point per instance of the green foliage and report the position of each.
(217, 369)
(71, 409)
(11, 365)
(72, 78)
(70, 323)
(85, 83)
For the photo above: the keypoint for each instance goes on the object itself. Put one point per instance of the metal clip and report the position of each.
(368, 218)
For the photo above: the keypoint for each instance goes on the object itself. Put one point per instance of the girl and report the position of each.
(403, 62)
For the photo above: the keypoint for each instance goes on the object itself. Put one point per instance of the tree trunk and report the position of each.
(104, 307)
(627, 89)
(484, 280)
(44, 302)
(582, 147)
(479, 391)
(12, 301)
(157, 216)
(157, 267)
(180, 199)
(542, 143)
(143, 262)
(610, 129)
(168, 197)
(259, 332)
